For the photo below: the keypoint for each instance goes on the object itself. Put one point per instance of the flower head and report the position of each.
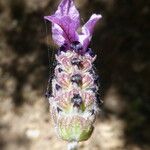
(65, 23)
(73, 102)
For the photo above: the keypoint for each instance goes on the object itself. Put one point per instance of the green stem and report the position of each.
(72, 145)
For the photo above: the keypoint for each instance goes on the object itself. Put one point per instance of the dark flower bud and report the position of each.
(60, 70)
(59, 110)
(63, 48)
(90, 52)
(94, 89)
(92, 112)
(91, 71)
(76, 46)
(76, 79)
(58, 87)
(75, 61)
(76, 100)
(47, 94)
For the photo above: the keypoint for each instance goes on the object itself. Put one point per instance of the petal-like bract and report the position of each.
(87, 30)
(65, 23)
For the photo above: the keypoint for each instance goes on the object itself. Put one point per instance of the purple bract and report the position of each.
(65, 23)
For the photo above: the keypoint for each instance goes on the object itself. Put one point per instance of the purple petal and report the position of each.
(63, 29)
(67, 8)
(65, 22)
(87, 30)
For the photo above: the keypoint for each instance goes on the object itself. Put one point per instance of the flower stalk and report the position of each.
(72, 146)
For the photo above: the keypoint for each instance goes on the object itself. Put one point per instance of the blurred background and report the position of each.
(121, 41)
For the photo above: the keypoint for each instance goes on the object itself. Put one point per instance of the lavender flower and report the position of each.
(73, 101)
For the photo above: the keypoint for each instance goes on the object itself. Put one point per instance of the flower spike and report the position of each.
(73, 102)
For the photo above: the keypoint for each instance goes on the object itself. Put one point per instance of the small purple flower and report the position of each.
(65, 23)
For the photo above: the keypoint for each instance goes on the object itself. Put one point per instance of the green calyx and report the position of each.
(77, 130)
